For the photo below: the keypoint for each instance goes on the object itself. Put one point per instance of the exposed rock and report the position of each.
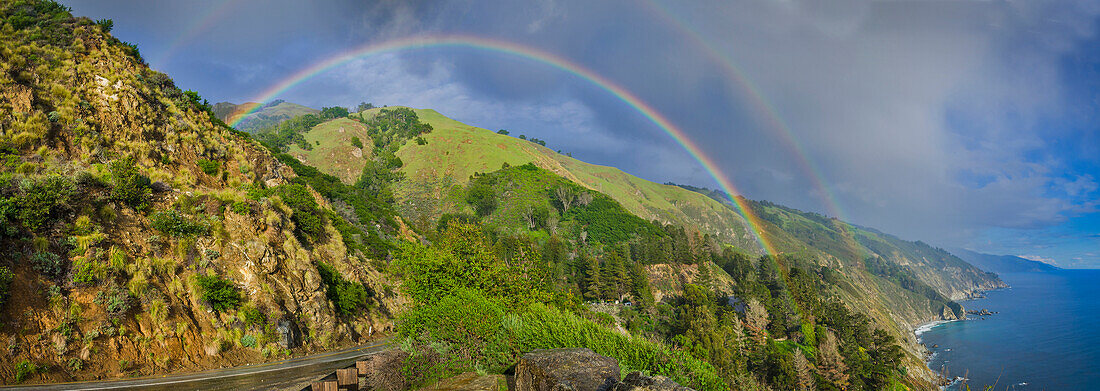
(382, 371)
(160, 187)
(469, 381)
(289, 335)
(566, 369)
(636, 381)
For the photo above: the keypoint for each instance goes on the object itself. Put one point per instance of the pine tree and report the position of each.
(830, 364)
(591, 277)
(805, 372)
(756, 318)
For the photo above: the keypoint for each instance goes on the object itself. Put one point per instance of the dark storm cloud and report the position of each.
(962, 123)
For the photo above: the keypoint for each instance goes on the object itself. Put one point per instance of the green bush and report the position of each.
(116, 301)
(106, 24)
(176, 224)
(42, 198)
(356, 142)
(49, 264)
(220, 293)
(346, 296)
(241, 208)
(252, 316)
(87, 271)
(6, 277)
(496, 337)
(127, 184)
(483, 197)
(210, 167)
(248, 341)
(23, 370)
(307, 216)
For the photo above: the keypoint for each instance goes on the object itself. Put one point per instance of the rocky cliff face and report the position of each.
(108, 268)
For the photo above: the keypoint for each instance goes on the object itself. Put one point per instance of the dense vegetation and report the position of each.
(141, 215)
(537, 244)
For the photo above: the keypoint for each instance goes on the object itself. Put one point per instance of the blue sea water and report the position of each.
(1046, 335)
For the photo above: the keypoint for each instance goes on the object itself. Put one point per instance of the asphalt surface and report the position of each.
(289, 374)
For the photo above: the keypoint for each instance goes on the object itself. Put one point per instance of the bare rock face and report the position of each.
(636, 381)
(289, 335)
(566, 369)
(382, 371)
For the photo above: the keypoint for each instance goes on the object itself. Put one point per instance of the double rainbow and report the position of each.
(510, 48)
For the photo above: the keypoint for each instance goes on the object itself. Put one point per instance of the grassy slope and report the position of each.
(267, 115)
(455, 151)
(332, 150)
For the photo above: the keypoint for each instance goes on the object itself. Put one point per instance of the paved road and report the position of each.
(290, 374)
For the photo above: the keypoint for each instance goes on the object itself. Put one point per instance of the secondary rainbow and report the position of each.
(763, 104)
(464, 41)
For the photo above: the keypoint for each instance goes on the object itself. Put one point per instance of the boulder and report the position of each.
(566, 369)
(160, 187)
(636, 381)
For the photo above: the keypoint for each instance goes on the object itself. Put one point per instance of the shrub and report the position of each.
(6, 277)
(346, 296)
(356, 142)
(241, 208)
(23, 370)
(47, 263)
(220, 293)
(482, 197)
(176, 224)
(87, 271)
(127, 184)
(307, 216)
(210, 167)
(252, 316)
(106, 24)
(116, 301)
(42, 198)
(248, 341)
(421, 141)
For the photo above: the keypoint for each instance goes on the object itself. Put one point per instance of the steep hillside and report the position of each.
(145, 236)
(455, 151)
(1004, 263)
(271, 113)
(336, 147)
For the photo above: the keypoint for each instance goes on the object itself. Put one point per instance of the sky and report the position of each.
(967, 124)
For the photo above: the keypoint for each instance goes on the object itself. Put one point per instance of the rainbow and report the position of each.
(498, 46)
(763, 105)
(201, 24)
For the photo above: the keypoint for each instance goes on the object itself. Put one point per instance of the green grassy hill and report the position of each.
(272, 113)
(333, 149)
(455, 151)
(896, 283)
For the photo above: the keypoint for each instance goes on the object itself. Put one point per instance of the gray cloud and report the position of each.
(954, 122)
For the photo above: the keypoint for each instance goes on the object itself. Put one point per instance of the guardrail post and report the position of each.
(348, 379)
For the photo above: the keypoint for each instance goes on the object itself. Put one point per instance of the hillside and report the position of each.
(1004, 263)
(271, 113)
(141, 234)
(898, 283)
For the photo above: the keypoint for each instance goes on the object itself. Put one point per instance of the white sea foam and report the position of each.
(924, 328)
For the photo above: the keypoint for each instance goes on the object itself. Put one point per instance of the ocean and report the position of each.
(1046, 335)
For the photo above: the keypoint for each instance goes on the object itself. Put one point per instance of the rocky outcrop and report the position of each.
(636, 381)
(566, 369)
(582, 369)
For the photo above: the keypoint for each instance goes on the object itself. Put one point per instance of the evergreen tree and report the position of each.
(591, 287)
(830, 364)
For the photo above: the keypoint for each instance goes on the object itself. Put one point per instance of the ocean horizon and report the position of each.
(1044, 336)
